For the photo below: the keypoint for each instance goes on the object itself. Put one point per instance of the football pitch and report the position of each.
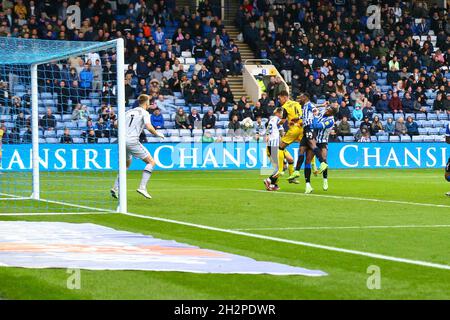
(396, 221)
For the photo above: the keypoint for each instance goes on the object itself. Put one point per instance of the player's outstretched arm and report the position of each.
(153, 131)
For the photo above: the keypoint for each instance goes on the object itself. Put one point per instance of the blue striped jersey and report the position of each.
(308, 113)
(323, 134)
(273, 131)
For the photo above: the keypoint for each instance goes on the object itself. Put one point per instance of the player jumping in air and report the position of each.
(322, 124)
(136, 120)
(447, 167)
(292, 113)
(308, 141)
(273, 141)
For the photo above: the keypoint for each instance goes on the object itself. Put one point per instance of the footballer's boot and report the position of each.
(325, 184)
(267, 184)
(448, 194)
(308, 188)
(323, 167)
(294, 181)
(115, 193)
(275, 187)
(294, 175)
(144, 193)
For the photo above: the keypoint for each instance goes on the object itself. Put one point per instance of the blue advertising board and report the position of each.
(198, 156)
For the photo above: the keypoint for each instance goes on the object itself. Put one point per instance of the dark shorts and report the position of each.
(308, 135)
(322, 145)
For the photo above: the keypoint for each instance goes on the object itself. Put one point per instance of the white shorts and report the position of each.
(137, 150)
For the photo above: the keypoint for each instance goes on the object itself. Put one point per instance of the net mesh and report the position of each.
(77, 106)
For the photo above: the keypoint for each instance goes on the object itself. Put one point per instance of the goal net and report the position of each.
(61, 112)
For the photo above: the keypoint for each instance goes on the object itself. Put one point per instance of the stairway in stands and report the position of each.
(236, 82)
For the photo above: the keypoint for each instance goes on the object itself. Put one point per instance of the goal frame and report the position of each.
(118, 44)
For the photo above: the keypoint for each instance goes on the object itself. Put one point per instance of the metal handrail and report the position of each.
(256, 60)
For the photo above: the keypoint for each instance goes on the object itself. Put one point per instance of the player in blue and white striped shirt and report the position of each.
(322, 124)
(447, 167)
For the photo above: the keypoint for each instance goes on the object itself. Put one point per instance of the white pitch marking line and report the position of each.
(50, 213)
(351, 198)
(354, 227)
(298, 243)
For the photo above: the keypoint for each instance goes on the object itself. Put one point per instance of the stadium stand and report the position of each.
(186, 59)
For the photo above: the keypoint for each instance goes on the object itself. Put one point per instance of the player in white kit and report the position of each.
(136, 120)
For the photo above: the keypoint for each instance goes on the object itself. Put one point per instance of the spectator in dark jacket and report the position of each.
(66, 138)
(383, 104)
(209, 120)
(408, 103)
(48, 122)
(411, 127)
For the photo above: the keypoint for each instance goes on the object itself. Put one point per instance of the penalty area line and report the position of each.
(350, 198)
(298, 243)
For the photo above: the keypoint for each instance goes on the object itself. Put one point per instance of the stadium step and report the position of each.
(236, 82)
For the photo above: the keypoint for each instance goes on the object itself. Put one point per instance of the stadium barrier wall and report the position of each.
(204, 156)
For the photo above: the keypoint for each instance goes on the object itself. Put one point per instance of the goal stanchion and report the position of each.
(62, 110)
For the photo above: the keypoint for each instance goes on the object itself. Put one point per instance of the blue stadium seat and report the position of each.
(398, 115)
(374, 139)
(383, 138)
(349, 139)
(423, 131)
(417, 138)
(442, 116)
(173, 132)
(394, 139)
(103, 140)
(405, 138)
(421, 116)
(51, 140)
(429, 138)
(432, 116)
(169, 125)
(433, 131)
(78, 140)
(185, 133)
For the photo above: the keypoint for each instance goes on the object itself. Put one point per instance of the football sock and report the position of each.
(280, 160)
(308, 173)
(146, 174)
(318, 154)
(325, 174)
(301, 158)
(273, 180)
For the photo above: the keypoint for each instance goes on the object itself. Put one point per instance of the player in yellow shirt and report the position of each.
(292, 113)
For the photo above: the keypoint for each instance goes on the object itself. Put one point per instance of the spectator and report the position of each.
(91, 138)
(86, 78)
(344, 111)
(66, 138)
(411, 127)
(182, 120)
(390, 126)
(48, 121)
(20, 121)
(157, 119)
(221, 106)
(440, 104)
(382, 105)
(368, 111)
(408, 103)
(209, 120)
(400, 127)
(357, 113)
(395, 103)
(343, 128)
(195, 119)
(365, 135)
(377, 126)
(234, 127)
(102, 128)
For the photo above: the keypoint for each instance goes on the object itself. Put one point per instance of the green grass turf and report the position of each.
(218, 199)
